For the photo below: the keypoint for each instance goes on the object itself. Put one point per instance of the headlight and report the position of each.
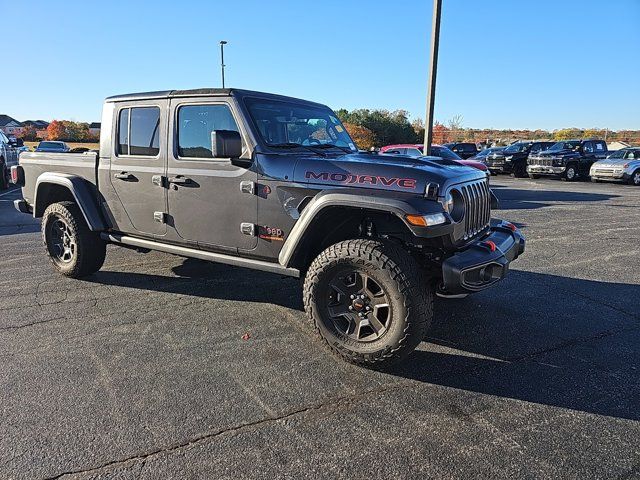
(453, 204)
(427, 220)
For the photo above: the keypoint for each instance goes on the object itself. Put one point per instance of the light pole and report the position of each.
(433, 70)
(222, 44)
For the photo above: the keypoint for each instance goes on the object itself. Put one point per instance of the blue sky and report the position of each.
(503, 63)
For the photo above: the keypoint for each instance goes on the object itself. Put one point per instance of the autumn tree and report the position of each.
(56, 130)
(364, 138)
(29, 133)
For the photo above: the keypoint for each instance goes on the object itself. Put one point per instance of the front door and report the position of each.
(138, 165)
(206, 203)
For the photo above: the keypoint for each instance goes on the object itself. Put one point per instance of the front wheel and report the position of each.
(368, 301)
(634, 179)
(570, 174)
(74, 250)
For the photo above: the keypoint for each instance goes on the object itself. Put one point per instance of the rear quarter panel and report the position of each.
(35, 164)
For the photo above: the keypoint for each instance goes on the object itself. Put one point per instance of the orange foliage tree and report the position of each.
(56, 130)
(364, 138)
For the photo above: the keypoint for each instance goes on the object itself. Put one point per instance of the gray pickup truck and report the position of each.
(275, 183)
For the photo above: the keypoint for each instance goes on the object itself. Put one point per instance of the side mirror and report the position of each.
(226, 144)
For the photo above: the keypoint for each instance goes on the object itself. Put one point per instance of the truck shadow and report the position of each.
(521, 341)
(516, 199)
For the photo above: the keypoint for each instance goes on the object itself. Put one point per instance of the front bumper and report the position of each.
(483, 263)
(22, 206)
(545, 170)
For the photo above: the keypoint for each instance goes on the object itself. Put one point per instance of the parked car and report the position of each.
(9, 152)
(463, 149)
(569, 159)
(242, 178)
(482, 155)
(416, 150)
(513, 159)
(52, 147)
(621, 166)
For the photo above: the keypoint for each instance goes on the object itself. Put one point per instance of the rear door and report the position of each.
(138, 163)
(205, 200)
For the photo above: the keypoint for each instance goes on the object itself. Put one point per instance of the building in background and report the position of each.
(39, 125)
(10, 126)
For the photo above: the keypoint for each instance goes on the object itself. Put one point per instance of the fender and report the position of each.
(81, 192)
(368, 199)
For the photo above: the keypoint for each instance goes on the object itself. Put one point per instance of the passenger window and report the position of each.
(588, 147)
(195, 124)
(413, 152)
(600, 146)
(139, 131)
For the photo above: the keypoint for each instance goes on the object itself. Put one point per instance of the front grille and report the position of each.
(604, 170)
(477, 207)
(545, 162)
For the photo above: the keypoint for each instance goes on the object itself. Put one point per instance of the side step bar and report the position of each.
(201, 254)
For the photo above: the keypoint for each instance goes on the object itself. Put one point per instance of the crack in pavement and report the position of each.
(332, 404)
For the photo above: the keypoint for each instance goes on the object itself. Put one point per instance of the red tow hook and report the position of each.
(490, 245)
(510, 226)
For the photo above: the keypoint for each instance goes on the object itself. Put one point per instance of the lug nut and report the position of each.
(368, 308)
(362, 297)
(350, 307)
(361, 314)
(352, 297)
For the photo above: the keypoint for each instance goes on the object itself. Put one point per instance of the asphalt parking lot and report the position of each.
(161, 367)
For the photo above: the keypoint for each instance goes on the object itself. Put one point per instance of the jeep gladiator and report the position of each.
(276, 184)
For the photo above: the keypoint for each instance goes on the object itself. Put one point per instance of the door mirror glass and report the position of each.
(226, 144)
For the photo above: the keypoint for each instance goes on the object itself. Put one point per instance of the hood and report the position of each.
(613, 162)
(555, 153)
(397, 173)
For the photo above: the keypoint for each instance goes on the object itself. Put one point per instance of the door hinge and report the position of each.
(247, 186)
(158, 180)
(248, 229)
(160, 217)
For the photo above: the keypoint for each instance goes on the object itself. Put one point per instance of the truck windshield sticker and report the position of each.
(349, 179)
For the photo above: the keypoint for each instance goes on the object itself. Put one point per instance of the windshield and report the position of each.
(289, 123)
(516, 147)
(618, 154)
(444, 152)
(564, 145)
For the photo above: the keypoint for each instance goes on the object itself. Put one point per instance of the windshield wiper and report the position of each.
(297, 145)
(332, 145)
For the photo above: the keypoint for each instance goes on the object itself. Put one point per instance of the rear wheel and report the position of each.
(634, 179)
(74, 250)
(368, 301)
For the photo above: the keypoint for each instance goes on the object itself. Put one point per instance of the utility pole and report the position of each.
(222, 44)
(433, 70)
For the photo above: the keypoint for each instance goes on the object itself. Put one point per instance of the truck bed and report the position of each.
(82, 165)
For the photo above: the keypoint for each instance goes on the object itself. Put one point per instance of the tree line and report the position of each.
(376, 128)
(64, 130)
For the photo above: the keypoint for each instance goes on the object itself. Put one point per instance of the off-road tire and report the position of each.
(4, 183)
(634, 179)
(410, 298)
(570, 178)
(90, 250)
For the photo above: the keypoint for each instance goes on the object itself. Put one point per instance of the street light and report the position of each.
(222, 44)
(433, 70)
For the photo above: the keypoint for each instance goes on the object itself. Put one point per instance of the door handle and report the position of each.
(124, 176)
(179, 180)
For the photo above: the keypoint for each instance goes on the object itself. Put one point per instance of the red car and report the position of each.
(415, 150)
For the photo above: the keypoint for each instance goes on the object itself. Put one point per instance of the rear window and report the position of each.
(139, 131)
